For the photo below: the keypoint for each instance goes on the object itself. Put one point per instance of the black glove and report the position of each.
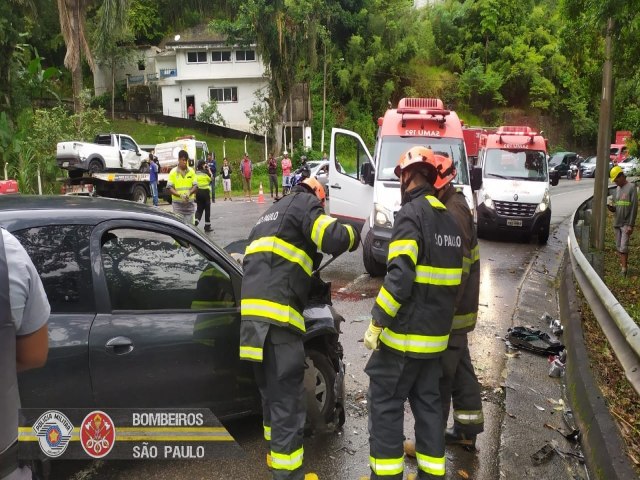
(356, 238)
(317, 260)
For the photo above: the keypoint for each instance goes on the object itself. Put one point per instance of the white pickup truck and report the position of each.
(109, 152)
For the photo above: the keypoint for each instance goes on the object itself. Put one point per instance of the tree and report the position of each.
(261, 116)
(209, 113)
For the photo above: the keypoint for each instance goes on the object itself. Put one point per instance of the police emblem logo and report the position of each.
(97, 434)
(53, 430)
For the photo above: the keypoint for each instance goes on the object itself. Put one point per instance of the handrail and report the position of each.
(620, 329)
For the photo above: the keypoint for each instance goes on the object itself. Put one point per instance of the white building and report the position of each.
(141, 69)
(198, 65)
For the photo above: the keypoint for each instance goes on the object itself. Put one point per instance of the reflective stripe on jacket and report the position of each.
(182, 183)
(424, 270)
(278, 264)
(466, 314)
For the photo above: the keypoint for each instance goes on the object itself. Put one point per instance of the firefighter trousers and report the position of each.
(460, 384)
(392, 379)
(280, 378)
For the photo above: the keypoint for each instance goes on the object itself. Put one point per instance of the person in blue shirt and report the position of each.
(153, 177)
(211, 162)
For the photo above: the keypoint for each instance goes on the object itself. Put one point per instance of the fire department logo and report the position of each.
(53, 430)
(97, 434)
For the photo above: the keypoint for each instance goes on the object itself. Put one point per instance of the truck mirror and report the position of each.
(368, 173)
(476, 178)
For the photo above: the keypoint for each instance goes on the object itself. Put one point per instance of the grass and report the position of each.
(622, 399)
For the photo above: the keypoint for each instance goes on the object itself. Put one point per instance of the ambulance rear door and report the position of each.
(351, 174)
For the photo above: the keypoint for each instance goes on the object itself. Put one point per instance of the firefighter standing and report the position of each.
(411, 323)
(459, 382)
(278, 265)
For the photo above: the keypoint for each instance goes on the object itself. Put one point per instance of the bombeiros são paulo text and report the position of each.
(167, 419)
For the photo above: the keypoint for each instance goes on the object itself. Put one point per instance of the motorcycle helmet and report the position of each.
(445, 170)
(316, 187)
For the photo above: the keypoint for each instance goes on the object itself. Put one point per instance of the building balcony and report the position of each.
(168, 72)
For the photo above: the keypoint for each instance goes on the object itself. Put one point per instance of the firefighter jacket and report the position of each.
(466, 314)
(278, 264)
(416, 302)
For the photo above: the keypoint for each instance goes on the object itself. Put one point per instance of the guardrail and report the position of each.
(620, 329)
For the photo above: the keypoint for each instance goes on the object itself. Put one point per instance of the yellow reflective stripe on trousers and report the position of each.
(250, 353)
(414, 343)
(403, 247)
(282, 461)
(282, 314)
(319, 226)
(468, 416)
(475, 254)
(464, 320)
(387, 303)
(352, 236)
(438, 275)
(431, 465)
(267, 432)
(386, 466)
(286, 250)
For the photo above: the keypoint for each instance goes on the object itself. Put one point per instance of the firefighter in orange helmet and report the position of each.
(411, 321)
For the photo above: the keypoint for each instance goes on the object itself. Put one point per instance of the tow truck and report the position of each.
(127, 186)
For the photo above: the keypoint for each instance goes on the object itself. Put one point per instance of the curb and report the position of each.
(603, 446)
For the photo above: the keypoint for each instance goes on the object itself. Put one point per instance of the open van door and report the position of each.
(351, 177)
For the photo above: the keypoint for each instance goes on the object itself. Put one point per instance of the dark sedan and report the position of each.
(144, 309)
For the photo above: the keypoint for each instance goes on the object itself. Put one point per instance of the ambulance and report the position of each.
(167, 153)
(514, 192)
(364, 189)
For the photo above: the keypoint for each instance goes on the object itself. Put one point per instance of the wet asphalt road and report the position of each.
(344, 454)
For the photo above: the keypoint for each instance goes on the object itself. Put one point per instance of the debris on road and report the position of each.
(554, 324)
(543, 455)
(556, 367)
(535, 341)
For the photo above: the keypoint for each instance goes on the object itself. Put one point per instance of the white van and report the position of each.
(167, 153)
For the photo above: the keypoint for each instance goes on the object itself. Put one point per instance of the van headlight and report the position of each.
(382, 216)
(545, 203)
(488, 202)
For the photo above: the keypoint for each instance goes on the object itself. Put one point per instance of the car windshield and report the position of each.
(393, 147)
(591, 160)
(313, 163)
(515, 164)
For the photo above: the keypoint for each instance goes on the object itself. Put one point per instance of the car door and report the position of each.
(351, 197)
(60, 254)
(167, 332)
(131, 156)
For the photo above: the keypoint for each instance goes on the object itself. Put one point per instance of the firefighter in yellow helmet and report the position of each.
(411, 321)
(278, 265)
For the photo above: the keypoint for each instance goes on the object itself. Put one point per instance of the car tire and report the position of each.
(323, 399)
(96, 166)
(373, 267)
(543, 235)
(139, 194)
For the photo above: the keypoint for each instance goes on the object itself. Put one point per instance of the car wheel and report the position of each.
(323, 399)
(95, 166)
(139, 194)
(373, 267)
(543, 235)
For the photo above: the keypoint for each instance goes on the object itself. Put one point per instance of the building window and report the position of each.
(221, 56)
(245, 55)
(141, 65)
(196, 57)
(227, 94)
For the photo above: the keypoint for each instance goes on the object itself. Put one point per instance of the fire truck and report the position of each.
(514, 192)
(363, 186)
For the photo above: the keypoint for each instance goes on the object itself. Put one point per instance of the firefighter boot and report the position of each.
(455, 437)
(310, 476)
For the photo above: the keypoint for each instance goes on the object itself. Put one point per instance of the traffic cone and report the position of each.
(260, 194)
(578, 176)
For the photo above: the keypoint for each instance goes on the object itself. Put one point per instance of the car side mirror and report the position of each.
(476, 178)
(368, 173)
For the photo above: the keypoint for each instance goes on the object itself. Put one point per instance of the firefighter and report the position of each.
(410, 325)
(459, 382)
(278, 265)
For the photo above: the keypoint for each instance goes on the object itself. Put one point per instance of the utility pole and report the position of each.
(604, 145)
(324, 96)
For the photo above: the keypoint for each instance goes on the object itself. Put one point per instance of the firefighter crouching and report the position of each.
(411, 321)
(459, 382)
(278, 264)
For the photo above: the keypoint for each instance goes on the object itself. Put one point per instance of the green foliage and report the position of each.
(261, 115)
(209, 113)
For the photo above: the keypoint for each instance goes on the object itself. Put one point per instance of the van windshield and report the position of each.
(395, 146)
(515, 164)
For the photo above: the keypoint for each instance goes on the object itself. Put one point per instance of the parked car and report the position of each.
(320, 170)
(631, 166)
(588, 166)
(560, 162)
(145, 312)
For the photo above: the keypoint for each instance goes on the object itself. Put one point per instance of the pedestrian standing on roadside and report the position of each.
(203, 195)
(226, 179)
(410, 325)
(285, 163)
(272, 168)
(24, 342)
(246, 170)
(213, 169)
(153, 178)
(182, 185)
(625, 207)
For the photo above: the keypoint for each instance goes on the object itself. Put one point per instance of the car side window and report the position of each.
(147, 270)
(127, 144)
(60, 253)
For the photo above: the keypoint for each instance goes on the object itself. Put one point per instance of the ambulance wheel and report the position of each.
(323, 399)
(139, 194)
(373, 267)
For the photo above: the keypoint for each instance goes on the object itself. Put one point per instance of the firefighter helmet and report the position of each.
(615, 171)
(445, 171)
(316, 187)
(421, 156)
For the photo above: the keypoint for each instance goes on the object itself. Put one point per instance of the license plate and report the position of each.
(514, 223)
